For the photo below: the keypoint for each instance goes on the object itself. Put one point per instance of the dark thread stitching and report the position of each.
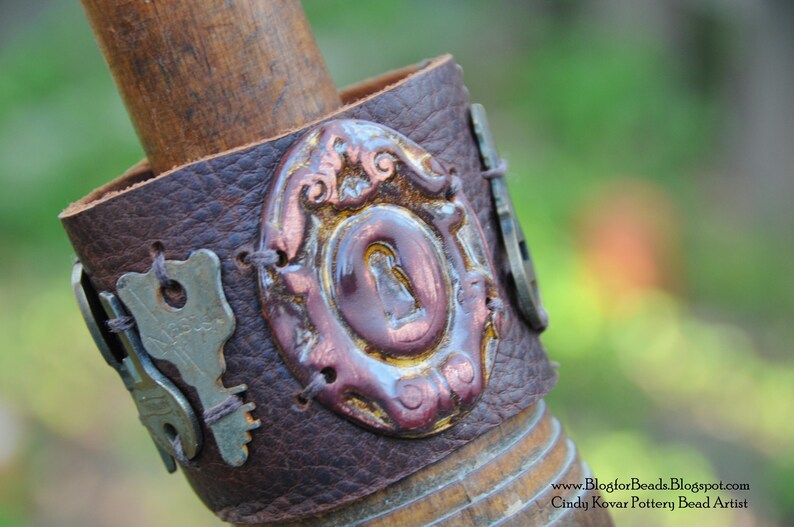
(498, 171)
(179, 452)
(263, 258)
(496, 304)
(313, 389)
(158, 264)
(221, 410)
(120, 324)
(454, 187)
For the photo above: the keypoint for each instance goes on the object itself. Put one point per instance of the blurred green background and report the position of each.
(651, 148)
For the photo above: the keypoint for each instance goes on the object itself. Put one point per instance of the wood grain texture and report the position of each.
(501, 479)
(202, 76)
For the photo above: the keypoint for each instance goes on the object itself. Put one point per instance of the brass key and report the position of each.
(191, 337)
(162, 408)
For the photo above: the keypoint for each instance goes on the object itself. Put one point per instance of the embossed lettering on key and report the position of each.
(385, 286)
(191, 338)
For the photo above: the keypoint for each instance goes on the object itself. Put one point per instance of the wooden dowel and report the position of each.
(202, 76)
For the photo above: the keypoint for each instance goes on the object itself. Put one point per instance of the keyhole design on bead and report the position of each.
(400, 306)
(387, 280)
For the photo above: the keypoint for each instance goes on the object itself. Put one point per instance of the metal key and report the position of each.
(521, 267)
(191, 337)
(162, 408)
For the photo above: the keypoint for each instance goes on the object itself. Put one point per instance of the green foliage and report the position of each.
(62, 127)
(680, 377)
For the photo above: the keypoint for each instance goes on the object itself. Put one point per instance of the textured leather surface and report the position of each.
(302, 462)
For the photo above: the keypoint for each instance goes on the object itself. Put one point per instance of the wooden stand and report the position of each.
(503, 478)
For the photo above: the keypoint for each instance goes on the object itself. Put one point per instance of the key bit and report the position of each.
(162, 408)
(191, 337)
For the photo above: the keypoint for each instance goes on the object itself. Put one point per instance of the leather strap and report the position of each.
(303, 462)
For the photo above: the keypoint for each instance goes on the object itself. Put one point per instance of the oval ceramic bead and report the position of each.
(385, 286)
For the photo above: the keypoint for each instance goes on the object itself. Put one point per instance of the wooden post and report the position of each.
(202, 76)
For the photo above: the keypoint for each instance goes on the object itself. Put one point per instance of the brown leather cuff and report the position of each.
(304, 461)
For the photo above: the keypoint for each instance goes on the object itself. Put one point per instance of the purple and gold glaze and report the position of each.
(384, 284)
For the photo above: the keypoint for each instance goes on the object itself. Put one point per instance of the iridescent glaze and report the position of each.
(384, 283)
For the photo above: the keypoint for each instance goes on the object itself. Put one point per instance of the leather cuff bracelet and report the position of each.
(306, 320)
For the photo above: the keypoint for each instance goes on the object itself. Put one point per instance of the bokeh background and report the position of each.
(651, 147)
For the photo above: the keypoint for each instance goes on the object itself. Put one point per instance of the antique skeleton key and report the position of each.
(521, 267)
(162, 408)
(191, 337)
